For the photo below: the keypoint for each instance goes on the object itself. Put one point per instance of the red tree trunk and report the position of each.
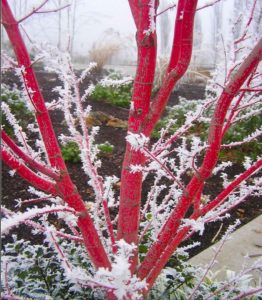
(64, 186)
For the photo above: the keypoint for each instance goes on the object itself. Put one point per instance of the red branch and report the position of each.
(37, 11)
(232, 186)
(181, 234)
(65, 188)
(38, 182)
(37, 226)
(27, 159)
(243, 36)
(179, 61)
(214, 140)
(130, 197)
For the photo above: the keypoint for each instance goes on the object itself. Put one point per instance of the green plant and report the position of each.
(176, 114)
(236, 133)
(110, 229)
(13, 98)
(119, 95)
(71, 152)
(38, 272)
(106, 148)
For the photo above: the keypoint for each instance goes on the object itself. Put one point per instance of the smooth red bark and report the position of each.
(27, 159)
(144, 114)
(131, 183)
(214, 140)
(38, 182)
(178, 63)
(65, 188)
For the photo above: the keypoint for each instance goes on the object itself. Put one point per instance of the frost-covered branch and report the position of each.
(28, 159)
(9, 223)
(212, 262)
(27, 174)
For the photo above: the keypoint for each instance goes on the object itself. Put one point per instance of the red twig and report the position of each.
(208, 5)
(27, 174)
(53, 10)
(166, 9)
(168, 172)
(37, 226)
(210, 265)
(232, 186)
(109, 226)
(215, 134)
(35, 10)
(27, 159)
(251, 292)
(234, 112)
(242, 37)
(251, 90)
(60, 251)
(28, 215)
(130, 197)
(65, 187)
(37, 200)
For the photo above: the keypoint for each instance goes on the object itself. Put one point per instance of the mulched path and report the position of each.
(14, 187)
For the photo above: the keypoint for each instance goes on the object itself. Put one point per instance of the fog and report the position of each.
(85, 23)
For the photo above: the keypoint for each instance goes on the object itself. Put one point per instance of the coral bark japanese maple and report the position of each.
(145, 110)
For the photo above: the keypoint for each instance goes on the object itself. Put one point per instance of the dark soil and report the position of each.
(15, 187)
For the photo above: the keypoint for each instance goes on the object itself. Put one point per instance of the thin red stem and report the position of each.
(27, 159)
(37, 226)
(232, 186)
(109, 226)
(208, 5)
(33, 11)
(214, 140)
(179, 61)
(65, 187)
(38, 182)
(168, 172)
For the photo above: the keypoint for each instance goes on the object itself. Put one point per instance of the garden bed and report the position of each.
(14, 187)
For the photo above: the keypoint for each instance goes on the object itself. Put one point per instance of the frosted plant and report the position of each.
(117, 246)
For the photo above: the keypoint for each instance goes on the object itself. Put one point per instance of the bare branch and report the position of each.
(208, 4)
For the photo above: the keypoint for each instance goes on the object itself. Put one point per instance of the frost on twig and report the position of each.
(10, 222)
(120, 278)
(108, 82)
(137, 141)
(152, 15)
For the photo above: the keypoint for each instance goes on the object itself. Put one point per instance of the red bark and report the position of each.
(27, 159)
(131, 183)
(182, 233)
(65, 188)
(144, 114)
(27, 174)
(178, 63)
(214, 140)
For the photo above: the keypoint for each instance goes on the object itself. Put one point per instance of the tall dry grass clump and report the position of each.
(102, 53)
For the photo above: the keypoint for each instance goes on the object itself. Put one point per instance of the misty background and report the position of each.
(84, 27)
